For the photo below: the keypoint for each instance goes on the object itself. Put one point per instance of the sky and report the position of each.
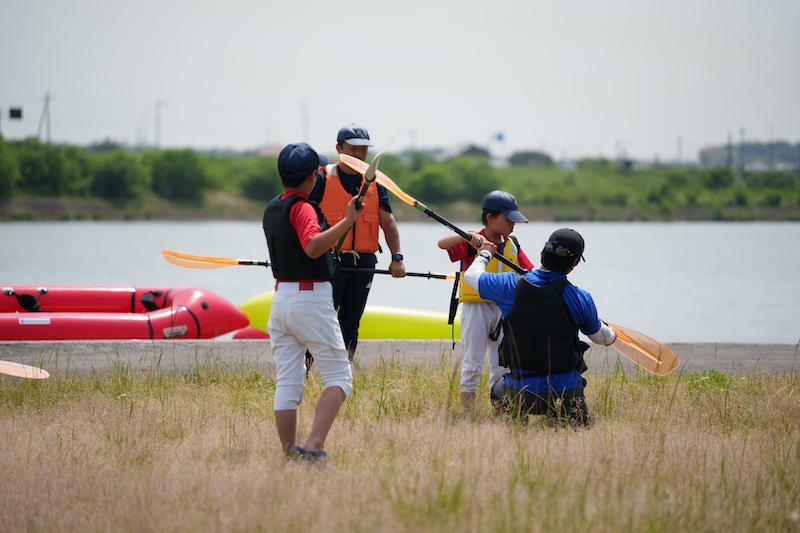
(574, 78)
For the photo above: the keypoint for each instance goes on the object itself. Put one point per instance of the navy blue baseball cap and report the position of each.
(355, 135)
(503, 202)
(565, 242)
(297, 161)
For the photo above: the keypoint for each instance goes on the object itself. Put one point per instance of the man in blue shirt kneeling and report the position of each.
(542, 314)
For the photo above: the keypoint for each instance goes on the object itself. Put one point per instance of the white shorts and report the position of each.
(300, 321)
(478, 319)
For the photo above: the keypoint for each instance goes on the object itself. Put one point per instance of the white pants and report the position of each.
(478, 319)
(300, 321)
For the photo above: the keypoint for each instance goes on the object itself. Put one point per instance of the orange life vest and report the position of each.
(363, 236)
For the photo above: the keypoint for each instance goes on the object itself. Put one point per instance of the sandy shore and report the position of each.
(180, 356)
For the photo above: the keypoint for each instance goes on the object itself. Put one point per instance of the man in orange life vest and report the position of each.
(335, 186)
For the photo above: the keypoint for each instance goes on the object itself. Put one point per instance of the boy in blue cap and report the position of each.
(480, 318)
(302, 316)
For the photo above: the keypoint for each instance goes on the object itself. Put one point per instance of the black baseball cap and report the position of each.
(503, 202)
(565, 242)
(354, 134)
(296, 161)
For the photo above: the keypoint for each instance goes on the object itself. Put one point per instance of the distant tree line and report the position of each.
(111, 172)
(595, 185)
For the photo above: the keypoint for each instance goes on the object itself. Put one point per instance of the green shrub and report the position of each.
(771, 180)
(595, 164)
(740, 198)
(178, 175)
(41, 168)
(77, 170)
(474, 177)
(433, 184)
(617, 199)
(719, 178)
(263, 183)
(530, 158)
(118, 177)
(9, 173)
(771, 199)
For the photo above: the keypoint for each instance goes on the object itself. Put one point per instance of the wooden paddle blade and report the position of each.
(369, 175)
(361, 167)
(646, 352)
(197, 262)
(19, 370)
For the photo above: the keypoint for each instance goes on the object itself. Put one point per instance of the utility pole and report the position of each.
(729, 152)
(770, 147)
(680, 150)
(45, 118)
(159, 103)
(741, 150)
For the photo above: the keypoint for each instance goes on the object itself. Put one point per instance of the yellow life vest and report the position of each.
(508, 250)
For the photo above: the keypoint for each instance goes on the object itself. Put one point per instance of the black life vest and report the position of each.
(539, 334)
(289, 261)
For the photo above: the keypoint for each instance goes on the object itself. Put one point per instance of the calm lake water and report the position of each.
(680, 282)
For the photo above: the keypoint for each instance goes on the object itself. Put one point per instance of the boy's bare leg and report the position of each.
(467, 401)
(286, 422)
(327, 408)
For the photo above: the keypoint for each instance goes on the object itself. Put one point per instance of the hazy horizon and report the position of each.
(571, 79)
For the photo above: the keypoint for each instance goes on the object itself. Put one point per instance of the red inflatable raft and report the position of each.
(30, 312)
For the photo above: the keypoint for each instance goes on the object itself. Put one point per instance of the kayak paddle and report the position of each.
(646, 352)
(383, 179)
(19, 370)
(208, 262)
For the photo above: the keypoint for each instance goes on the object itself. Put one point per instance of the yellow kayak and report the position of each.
(378, 322)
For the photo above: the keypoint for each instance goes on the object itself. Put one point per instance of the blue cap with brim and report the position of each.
(503, 202)
(354, 134)
(297, 161)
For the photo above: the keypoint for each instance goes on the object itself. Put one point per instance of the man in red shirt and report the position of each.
(302, 316)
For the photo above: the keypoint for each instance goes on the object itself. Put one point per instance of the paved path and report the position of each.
(182, 356)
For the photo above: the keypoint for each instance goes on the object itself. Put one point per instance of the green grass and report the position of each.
(150, 451)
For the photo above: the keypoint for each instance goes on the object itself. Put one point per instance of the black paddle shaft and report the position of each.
(427, 275)
(518, 269)
(359, 270)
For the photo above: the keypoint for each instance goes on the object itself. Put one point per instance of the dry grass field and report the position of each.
(153, 452)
